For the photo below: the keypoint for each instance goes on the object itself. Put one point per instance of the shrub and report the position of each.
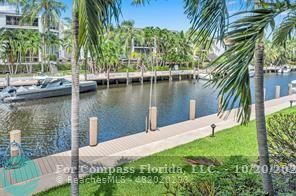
(63, 66)
(282, 138)
(282, 146)
(224, 179)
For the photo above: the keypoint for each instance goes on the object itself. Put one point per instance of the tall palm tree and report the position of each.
(49, 12)
(130, 35)
(33, 46)
(245, 37)
(90, 17)
(10, 47)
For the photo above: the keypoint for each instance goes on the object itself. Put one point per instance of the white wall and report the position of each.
(2, 21)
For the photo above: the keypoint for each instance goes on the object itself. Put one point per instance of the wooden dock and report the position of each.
(46, 172)
(112, 78)
(106, 79)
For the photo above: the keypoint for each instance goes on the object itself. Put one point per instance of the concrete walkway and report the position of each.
(46, 172)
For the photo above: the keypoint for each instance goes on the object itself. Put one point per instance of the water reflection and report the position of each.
(45, 124)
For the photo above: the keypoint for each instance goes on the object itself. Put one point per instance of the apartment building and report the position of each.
(11, 19)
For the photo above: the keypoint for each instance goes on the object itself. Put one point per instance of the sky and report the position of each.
(162, 13)
(167, 14)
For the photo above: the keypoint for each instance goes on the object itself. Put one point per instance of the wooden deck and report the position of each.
(45, 171)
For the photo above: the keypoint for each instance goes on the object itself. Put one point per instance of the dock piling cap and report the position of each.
(15, 132)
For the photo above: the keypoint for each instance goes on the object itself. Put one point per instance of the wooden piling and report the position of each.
(155, 76)
(278, 92)
(170, 76)
(7, 80)
(192, 107)
(108, 78)
(194, 74)
(220, 102)
(127, 77)
(264, 94)
(142, 76)
(15, 136)
(290, 89)
(153, 118)
(93, 131)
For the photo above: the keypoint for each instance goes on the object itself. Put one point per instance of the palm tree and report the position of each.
(130, 35)
(49, 12)
(245, 37)
(90, 17)
(10, 47)
(33, 45)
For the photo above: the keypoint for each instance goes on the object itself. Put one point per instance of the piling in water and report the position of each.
(153, 118)
(93, 131)
(290, 89)
(15, 136)
(192, 107)
(277, 92)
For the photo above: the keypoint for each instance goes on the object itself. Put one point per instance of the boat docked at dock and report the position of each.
(284, 69)
(205, 76)
(46, 87)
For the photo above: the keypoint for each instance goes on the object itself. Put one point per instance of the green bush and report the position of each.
(63, 66)
(281, 137)
(125, 69)
(224, 179)
(281, 130)
(159, 68)
(53, 57)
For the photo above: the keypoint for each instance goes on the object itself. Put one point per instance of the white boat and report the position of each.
(205, 76)
(48, 87)
(251, 71)
(284, 69)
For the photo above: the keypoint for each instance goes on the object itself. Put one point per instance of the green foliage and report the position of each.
(226, 179)
(282, 137)
(53, 57)
(158, 68)
(129, 69)
(63, 66)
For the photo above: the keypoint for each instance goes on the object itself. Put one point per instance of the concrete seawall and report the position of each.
(130, 148)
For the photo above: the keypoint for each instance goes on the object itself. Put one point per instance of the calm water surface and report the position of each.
(45, 124)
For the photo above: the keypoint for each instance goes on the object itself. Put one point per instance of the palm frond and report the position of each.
(231, 67)
(209, 18)
(94, 17)
(286, 30)
(140, 2)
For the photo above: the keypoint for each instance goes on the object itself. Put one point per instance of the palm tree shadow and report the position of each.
(107, 183)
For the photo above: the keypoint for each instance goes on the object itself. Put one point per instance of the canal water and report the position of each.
(45, 124)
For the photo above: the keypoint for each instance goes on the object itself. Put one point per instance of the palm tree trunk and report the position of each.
(31, 61)
(85, 64)
(260, 121)
(43, 54)
(75, 107)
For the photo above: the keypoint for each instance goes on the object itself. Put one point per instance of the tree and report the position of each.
(90, 17)
(130, 35)
(245, 36)
(50, 12)
(9, 45)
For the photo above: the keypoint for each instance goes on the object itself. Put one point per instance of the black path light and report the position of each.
(213, 126)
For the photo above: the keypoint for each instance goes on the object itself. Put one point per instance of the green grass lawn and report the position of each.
(234, 146)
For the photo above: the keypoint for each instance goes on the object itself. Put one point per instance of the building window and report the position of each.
(15, 20)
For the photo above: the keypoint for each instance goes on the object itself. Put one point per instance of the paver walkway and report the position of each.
(46, 171)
